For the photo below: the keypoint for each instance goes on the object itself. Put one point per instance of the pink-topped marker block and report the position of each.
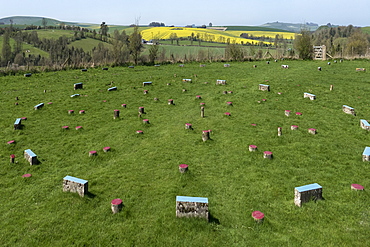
(298, 113)
(202, 103)
(230, 92)
(27, 175)
(258, 216)
(24, 118)
(106, 149)
(252, 148)
(357, 187)
(312, 131)
(139, 132)
(188, 126)
(82, 111)
(264, 100)
(254, 124)
(227, 113)
(183, 168)
(146, 121)
(229, 103)
(124, 105)
(11, 142)
(65, 127)
(50, 103)
(104, 101)
(92, 153)
(70, 111)
(267, 154)
(198, 97)
(78, 127)
(116, 205)
(294, 127)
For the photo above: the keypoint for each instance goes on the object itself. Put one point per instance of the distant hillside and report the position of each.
(37, 21)
(292, 27)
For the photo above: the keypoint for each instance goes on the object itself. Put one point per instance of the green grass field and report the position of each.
(142, 170)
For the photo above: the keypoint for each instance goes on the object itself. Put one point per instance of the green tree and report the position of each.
(357, 43)
(103, 31)
(303, 45)
(135, 45)
(153, 53)
(6, 51)
(44, 22)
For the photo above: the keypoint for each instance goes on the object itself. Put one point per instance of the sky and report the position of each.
(198, 12)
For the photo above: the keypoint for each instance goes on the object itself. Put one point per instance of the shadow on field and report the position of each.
(213, 220)
(90, 195)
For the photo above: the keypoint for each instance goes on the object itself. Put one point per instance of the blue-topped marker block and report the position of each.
(38, 106)
(75, 95)
(191, 207)
(307, 193)
(309, 95)
(17, 123)
(146, 83)
(366, 154)
(112, 89)
(349, 110)
(78, 85)
(30, 157)
(364, 124)
(75, 185)
(264, 87)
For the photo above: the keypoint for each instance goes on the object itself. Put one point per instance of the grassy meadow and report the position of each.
(142, 170)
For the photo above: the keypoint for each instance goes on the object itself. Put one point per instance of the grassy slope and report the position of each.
(26, 47)
(143, 170)
(87, 44)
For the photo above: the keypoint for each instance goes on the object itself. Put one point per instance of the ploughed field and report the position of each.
(143, 169)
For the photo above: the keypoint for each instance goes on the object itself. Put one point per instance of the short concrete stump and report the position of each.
(65, 127)
(124, 105)
(183, 168)
(205, 135)
(141, 110)
(170, 102)
(106, 149)
(146, 91)
(198, 97)
(298, 113)
(93, 153)
(258, 216)
(188, 126)
(116, 205)
(116, 114)
(229, 103)
(71, 111)
(267, 155)
(293, 127)
(146, 121)
(227, 114)
(12, 158)
(82, 112)
(78, 127)
(357, 187)
(139, 132)
(312, 131)
(192, 207)
(252, 148)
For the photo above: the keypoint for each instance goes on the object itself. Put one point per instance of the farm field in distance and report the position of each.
(142, 170)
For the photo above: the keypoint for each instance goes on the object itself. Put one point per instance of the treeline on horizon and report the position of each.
(341, 42)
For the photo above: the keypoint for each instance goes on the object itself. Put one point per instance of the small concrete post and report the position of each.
(202, 111)
(183, 168)
(205, 135)
(279, 131)
(115, 114)
(252, 148)
(331, 87)
(116, 205)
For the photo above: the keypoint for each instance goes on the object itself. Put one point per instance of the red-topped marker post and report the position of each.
(116, 205)
(258, 216)
(183, 168)
(357, 187)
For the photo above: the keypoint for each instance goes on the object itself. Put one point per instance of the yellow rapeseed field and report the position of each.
(208, 34)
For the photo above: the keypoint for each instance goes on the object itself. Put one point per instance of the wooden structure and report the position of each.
(75, 185)
(319, 52)
(38, 106)
(349, 110)
(264, 87)
(78, 86)
(366, 154)
(18, 124)
(309, 95)
(31, 157)
(364, 124)
(307, 193)
(192, 207)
